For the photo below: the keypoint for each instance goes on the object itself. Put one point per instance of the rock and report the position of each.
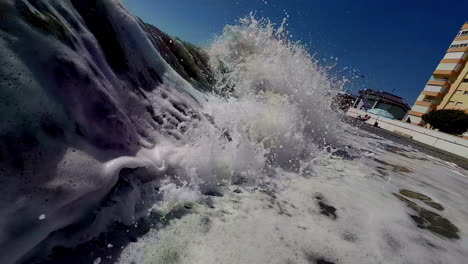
(343, 154)
(419, 221)
(429, 220)
(314, 259)
(323, 261)
(425, 199)
(414, 195)
(328, 210)
(439, 224)
(434, 205)
(408, 202)
(395, 168)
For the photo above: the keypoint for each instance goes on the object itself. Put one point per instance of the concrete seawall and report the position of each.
(443, 141)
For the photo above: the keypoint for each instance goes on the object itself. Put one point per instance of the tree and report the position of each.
(449, 121)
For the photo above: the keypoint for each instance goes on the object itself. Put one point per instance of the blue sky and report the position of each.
(396, 44)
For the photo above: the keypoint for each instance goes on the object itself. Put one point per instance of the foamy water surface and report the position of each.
(295, 184)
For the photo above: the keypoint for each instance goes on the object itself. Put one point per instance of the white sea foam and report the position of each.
(272, 136)
(277, 142)
(372, 226)
(276, 112)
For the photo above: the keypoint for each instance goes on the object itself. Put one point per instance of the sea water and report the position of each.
(296, 184)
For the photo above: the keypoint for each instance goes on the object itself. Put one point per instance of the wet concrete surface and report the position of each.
(429, 150)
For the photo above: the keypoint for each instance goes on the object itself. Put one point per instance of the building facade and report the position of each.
(372, 99)
(448, 86)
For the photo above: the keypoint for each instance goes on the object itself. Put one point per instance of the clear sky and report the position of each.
(396, 44)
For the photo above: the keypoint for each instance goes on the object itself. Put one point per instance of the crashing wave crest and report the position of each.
(109, 118)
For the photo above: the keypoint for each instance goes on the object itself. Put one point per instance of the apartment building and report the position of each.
(448, 86)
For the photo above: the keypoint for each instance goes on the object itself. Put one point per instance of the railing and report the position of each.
(438, 79)
(431, 101)
(436, 89)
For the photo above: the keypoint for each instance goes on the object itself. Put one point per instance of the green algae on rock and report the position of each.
(429, 220)
(426, 199)
(395, 168)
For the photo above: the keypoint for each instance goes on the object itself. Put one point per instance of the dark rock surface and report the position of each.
(429, 220)
(425, 199)
(315, 259)
(395, 167)
(326, 209)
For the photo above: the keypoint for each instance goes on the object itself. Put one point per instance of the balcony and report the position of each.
(463, 49)
(438, 79)
(434, 94)
(415, 113)
(427, 103)
(438, 82)
(447, 70)
(422, 109)
(457, 61)
(434, 101)
(461, 38)
(436, 89)
(445, 73)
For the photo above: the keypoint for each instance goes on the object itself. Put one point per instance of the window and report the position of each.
(451, 102)
(431, 99)
(459, 45)
(465, 93)
(465, 80)
(439, 79)
(459, 104)
(458, 92)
